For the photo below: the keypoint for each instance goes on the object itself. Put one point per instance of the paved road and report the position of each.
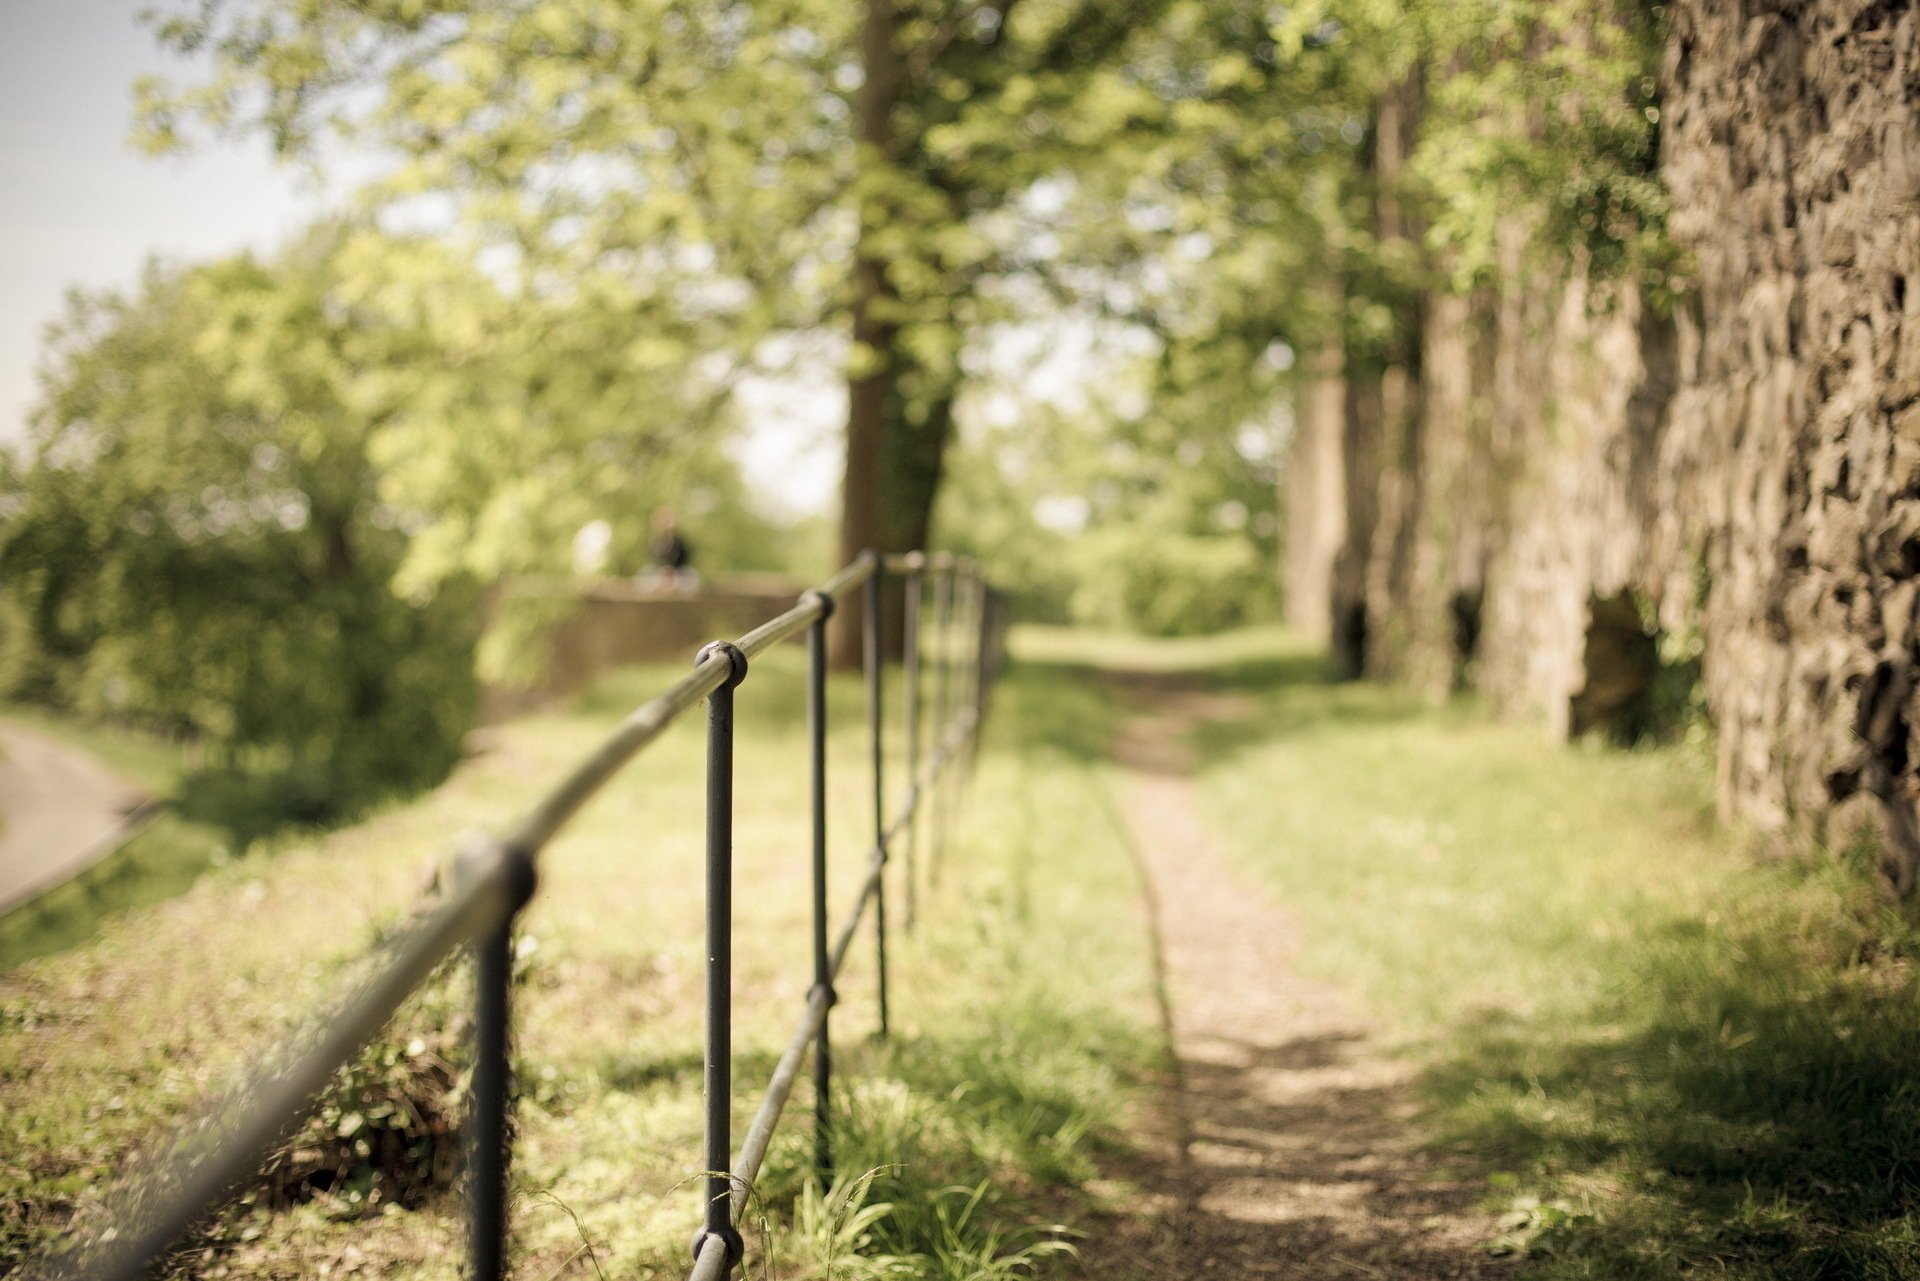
(59, 807)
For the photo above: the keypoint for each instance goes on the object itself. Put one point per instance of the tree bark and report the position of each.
(1400, 491)
(1360, 465)
(1379, 451)
(1314, 497)
(874, 397)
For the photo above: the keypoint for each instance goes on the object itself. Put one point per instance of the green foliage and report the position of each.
(669, 199)
(676, 196)
(1546, 117)
(195, 542)
(1169, 584)
(1102, 514)
(387, 1128)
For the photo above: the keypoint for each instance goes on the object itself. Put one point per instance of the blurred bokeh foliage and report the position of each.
(1545, 117)
(262, 497)
(195, 542)
(1102, 513)
(260, 500)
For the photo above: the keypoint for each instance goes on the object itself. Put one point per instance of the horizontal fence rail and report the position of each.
(495, 877)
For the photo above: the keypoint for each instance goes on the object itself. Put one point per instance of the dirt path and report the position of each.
(1285, 1147)
(59, 810)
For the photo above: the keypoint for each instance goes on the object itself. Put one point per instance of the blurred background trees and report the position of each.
(1128, 298)
(196, 542)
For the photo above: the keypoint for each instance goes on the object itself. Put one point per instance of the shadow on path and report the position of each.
(1286, 1144)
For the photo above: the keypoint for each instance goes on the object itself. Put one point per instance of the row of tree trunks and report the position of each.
(1741, 475)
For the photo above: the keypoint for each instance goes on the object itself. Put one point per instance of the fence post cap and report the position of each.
(814, 595)
(481, 856)
(735, 656)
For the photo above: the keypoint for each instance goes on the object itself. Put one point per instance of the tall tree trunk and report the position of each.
(1314, 496)
(1382, 390)
(873, 386)
(1360, 470)
(1402, 462)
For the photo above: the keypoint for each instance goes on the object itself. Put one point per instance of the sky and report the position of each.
(80, 206)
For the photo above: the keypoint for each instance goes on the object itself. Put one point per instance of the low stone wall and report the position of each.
(614, 623)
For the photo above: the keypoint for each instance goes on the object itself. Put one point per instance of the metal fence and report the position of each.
(961, 651)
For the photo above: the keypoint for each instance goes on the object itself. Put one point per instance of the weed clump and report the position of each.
(387, 1130)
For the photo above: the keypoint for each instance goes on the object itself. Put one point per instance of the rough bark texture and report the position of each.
(1586, 412)
(1749, 467)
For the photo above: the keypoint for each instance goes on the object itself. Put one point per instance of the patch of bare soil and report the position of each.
(1286, 1144)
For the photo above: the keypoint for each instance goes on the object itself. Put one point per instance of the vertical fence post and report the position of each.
(977, 663)
(719, 1064)
(942, 684)
(822, 962)
(910, 644)
(957, 762)
(490, 1102)
(982, 680)
(876, 725)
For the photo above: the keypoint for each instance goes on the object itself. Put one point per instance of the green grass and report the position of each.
(1666, 1059)
(1662, 1058)
(1022, 1005)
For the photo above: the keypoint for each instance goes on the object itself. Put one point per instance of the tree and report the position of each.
(737, 173)
(195, 540)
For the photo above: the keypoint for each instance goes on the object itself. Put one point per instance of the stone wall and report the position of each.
(1793, 451)
(1748, 466)
(609, 624)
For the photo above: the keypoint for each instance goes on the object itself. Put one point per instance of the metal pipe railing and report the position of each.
(822, 993)
(910, 681)
(495, 877)
(875, 662)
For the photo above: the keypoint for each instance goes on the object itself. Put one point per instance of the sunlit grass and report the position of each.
(1666, 1058)
(1021, 1006)
(1663, 1058)
(1224, 654)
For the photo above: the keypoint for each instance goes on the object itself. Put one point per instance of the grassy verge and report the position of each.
(1665, 1058)
(1022, 1012)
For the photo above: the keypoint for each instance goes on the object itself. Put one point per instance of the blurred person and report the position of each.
(672, 555)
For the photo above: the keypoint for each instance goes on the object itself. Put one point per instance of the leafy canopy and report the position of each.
(195, 539)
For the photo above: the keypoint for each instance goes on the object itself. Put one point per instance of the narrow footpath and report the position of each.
(1286, 1145)
(60, 809)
